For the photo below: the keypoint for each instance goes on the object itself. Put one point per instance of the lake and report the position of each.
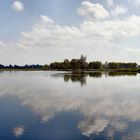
(63, 106)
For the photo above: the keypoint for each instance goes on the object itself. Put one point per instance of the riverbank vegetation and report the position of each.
(79, 64)
(82, 65)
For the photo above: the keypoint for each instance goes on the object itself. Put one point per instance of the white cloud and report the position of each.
(48, 41)
(137, 2)
(18, 6)
(92, 11)
(119, 10)
(111, 29)
(110, 2)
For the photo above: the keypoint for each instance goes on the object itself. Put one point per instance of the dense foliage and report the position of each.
(77, 64)
(21, 67)
(81, 63)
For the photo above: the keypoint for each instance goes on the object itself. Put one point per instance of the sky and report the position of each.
(43, 31)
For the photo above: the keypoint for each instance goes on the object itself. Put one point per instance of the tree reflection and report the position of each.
(81, 77)
(107, 107)
(122, 73)
(95, 74)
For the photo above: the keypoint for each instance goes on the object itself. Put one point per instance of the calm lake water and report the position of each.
(64, 106)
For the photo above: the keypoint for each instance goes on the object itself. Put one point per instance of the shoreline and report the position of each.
(77, 70)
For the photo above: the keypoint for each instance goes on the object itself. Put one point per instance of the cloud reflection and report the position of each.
(89, 127)
(18, 131)
(103, 101)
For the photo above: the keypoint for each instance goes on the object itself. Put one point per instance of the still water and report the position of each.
(64, 106)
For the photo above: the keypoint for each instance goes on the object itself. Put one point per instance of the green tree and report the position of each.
(67, 64)
(95, 65)
(75, 64)
(46, 67)
(83, 63)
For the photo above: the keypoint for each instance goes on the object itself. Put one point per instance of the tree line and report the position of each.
(76, 64)
(82, 64)
(37, 66)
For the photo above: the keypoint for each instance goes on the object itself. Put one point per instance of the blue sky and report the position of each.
(78, 27)
(62, 11)
(12, 22)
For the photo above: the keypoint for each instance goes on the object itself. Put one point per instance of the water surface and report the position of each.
(64, 106)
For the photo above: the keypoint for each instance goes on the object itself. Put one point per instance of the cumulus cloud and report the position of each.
(92, 11)
(119, 10)
(89, 37)
(48, 41)
(18, 6)
(53, 36)
(137, 2)
(48, 34)
(110, 2)
(113, 29)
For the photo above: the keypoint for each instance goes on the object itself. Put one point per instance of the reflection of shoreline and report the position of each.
(82, 76)
(102, 103)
